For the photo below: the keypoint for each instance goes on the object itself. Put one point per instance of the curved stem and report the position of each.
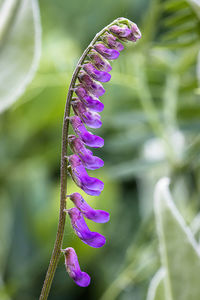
(63, 173)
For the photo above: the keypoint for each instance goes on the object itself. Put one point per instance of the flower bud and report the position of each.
(95, 88)
(112, 42)
(106, 52)
(135, 33)
(72, 266)
(87, 137)
(120, 31)
(93, 239)
(98, 216)
(91, 185)
(89, 161)
(88, 100)
(99, 62)
(96, 74)
(90, 118)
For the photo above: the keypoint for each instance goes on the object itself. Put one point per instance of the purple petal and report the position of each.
(87, 137)
(121, 32)
(90, 118)
(95, 88)
(112, 42)
(93, 239)
(89, 161)
(90, 101)
(95, 215)
(92, 140)
(99, 62)
(72, 266)
(91, 185)
(91, 192)
(106, 52)
(96, 74)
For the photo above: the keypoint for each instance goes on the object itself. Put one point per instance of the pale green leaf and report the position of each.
(20, 46)
(179, 250)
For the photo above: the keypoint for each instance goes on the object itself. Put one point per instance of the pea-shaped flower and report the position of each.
(72, 266)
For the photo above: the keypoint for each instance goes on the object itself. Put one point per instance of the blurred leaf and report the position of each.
(179, 250)
(156, 287)
(20, 47)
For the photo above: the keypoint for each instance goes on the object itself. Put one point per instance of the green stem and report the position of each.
(63, 171)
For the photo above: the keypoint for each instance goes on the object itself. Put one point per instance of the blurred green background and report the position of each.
(151, 125)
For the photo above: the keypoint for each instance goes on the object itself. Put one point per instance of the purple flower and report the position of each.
(90, 101)
(95, 88)
(93, 68)
(89, 161)
(72, 266)
(90, 185)
(120, 31)
(87, 137)
(99, 216)
(135, 33)
(96, 74)
(93, 239)
(90, 118)
(99, 62)
(106, 52)
(112, 41)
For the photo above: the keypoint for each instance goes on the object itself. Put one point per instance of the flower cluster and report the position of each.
(86, 106)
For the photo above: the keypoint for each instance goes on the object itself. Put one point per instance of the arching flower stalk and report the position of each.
(83, 96)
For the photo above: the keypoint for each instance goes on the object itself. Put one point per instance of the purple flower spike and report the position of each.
(91, 185)
(96, 74)
(135, 33)
(87, 137)
(106, 52)
(98, 216)
(99, 61)
(121, 32)
(90, 118)
(93, 239)
(89, 161)
(95, 88)
(72, 266)
(90, 101)
(112, 42)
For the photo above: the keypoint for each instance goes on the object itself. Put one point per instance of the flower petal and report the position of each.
(90, 118)
(95, 88)
(96, 74)
(98, 61)
(88, 100)
(72, 266)
(99, 216)
(93, 239)
(106, 52)
(89, 161)
(87, 137)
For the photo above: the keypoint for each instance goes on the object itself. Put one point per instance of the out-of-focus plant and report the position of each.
(20, 47)
(180, 253)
